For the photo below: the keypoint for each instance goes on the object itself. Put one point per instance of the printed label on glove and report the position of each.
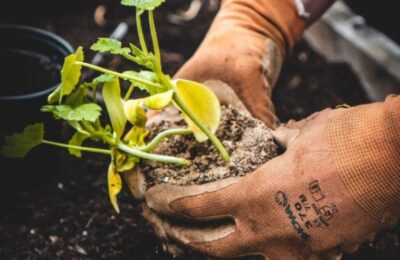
(307, 212)
(282, 200)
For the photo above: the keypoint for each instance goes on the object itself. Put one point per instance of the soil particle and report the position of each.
(249, 142)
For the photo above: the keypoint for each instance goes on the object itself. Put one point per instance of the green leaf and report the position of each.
(128, 164)
(112, 46)
(143, 4)
(78, 97)
(103, 78)
(114, 185)
(135, 113)
(145, 59)
(202, 102)
(77, 140)
(78, 127)
(89, 112)
(148, 76)
(18, 145)
(112, 98)
(136, 51)
(159, 101)
(70, 75)
(136, 136)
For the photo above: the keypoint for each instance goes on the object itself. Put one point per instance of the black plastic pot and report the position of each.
(29, 8)
(30, 61)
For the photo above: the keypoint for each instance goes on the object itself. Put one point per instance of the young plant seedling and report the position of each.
(125, 136)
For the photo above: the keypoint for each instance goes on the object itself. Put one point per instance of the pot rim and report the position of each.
(62, 46)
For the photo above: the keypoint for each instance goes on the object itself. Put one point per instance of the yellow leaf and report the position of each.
(136, 136)
(135, 113)
(112, 98)
(159, 101)
(70, 75)
(124, 162)
(77, 140)
(202, 102)
(114, 185)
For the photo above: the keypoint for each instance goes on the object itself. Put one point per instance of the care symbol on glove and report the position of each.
(316, 191)
(281, 198)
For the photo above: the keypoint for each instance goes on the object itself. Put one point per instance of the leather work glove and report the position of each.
(337, 185)
(244, 48)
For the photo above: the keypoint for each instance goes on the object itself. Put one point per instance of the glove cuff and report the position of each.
(365, 145)
(276, 19)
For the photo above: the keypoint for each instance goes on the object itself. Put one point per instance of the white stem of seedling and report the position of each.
(161, 136)
(153, 157)
(214, 140)
(81, 148)
(117, 74)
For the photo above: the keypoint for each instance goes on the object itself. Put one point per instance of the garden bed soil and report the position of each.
(68, 215)
(248, 141)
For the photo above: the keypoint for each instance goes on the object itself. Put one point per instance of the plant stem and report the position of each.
(156, 46)
(130, 57)
(81, 148)
(97, 124)
(158, 66)
(153, 157)
(140, 32)
(161, 136)
(129, 92)
(94, 94)
(98, 134)
(87, 126)
(120, 75)
(214, 140)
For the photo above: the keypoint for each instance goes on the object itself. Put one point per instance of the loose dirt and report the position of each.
(248, 141)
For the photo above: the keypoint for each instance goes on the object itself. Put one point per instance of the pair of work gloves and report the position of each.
(336, 185)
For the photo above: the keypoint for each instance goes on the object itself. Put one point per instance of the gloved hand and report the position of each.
(244, 49)
(240, 60)
(135, 178)
(308, 202)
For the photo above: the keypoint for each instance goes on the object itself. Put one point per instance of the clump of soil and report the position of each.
(249, 142)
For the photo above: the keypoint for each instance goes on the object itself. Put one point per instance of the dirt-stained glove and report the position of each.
(137, 181)
(315, 200)
(244, 48)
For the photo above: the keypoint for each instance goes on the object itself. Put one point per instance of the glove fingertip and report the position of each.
(285, 136)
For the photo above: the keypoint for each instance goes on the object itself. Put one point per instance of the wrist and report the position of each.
(365, 145)
(314, 9)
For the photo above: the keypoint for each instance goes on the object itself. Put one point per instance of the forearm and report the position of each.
(365, 143)
(272, 19)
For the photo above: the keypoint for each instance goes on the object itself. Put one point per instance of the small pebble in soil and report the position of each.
(53, 239)
(249, 142)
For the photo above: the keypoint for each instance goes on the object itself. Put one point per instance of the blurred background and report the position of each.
(56, 206)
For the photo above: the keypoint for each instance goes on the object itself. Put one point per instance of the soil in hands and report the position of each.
(249, 142)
